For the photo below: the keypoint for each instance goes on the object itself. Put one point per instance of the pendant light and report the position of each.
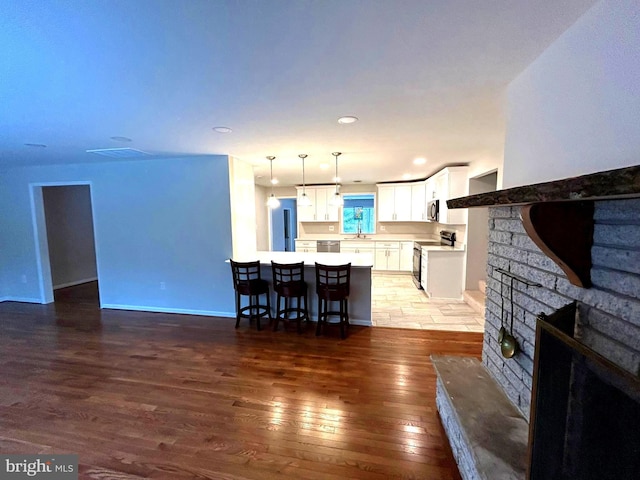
(272, 202)
(337, 198)
(304, 200)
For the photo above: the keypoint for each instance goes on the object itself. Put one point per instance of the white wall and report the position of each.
(487, 166)
(478, 233)
(155, 221)
(72, 254)
(576, 109)
(262, 219)
(243, 220)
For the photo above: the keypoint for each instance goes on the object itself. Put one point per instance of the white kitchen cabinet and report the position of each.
(406, 256)
(430, 189)
(451, 182)
(307, 213)
(387, 256)
(307, 246)
(394, 203)
(325, 211)
(442, 273)
(424, 268)
(321, 208)
(418, 202)
(350, 246)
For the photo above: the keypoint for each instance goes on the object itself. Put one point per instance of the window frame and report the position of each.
(345, 196)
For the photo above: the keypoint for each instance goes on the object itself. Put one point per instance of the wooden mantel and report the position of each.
(558, 215)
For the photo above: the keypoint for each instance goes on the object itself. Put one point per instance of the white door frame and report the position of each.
(40, 235)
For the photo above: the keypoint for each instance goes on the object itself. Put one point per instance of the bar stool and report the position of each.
(247, 281)
(289, 284)
(332, 285)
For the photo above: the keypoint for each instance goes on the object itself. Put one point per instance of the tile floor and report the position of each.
(396, 302)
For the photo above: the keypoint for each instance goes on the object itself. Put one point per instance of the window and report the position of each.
(358, 214)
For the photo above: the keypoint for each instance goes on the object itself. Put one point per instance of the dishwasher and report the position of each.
(332, 246)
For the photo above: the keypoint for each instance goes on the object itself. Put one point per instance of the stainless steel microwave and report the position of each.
(433, 207)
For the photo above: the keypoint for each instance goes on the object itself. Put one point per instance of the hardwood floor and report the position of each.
(146, 395)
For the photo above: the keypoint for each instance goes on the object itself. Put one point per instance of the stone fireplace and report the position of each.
(609, 309)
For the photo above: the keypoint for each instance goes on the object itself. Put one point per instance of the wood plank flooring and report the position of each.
(146, 395)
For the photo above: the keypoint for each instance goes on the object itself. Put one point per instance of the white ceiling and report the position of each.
(427, 78)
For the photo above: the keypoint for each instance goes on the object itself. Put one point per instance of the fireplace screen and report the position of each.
(585, 416)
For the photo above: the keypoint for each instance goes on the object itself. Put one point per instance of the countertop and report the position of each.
(443, 248)
(431, 248)
(357, 260)
(367, 239)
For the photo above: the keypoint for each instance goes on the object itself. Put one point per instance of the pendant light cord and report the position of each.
(271, 159)
(303, 156)
(336, 154)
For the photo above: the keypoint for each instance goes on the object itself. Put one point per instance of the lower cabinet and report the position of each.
(424, 268)
(406, 256)
(307, 246)
(357, 247)
(387, 256)
(442, 273)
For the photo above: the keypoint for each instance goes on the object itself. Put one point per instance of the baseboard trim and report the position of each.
(363, 323)
(184, 311)
(21, 299)
(74, 283)
(206, 313)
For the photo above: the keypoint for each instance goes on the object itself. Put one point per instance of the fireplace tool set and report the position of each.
(508, 343)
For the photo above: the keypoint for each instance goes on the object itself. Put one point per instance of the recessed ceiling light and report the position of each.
(222, 129)
(35, 145)
(347, 119)
(120, 139)
(406, 176)
(274, 181)
(336, 179)
(324, 166)
(420, 161)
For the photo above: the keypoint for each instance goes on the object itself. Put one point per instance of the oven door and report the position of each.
(417, 262)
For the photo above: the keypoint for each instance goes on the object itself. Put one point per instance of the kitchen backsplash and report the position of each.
(399, 230)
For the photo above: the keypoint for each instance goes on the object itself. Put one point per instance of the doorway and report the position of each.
(284, 226)
(66, 248)
(478, 232)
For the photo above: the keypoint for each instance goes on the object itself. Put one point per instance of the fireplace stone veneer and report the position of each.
(609, 320)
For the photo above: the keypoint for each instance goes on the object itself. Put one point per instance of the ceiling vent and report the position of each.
(120, 152)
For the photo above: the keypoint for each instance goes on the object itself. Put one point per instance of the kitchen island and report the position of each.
(360, 291)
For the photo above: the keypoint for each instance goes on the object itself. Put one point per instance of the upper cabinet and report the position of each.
(321, 209)
(418, 202)
(451, 182)
(430, 189)
(394, 203)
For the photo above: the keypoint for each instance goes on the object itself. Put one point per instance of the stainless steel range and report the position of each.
(447, 238)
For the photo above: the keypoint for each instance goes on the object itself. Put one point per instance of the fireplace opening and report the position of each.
(585, 415)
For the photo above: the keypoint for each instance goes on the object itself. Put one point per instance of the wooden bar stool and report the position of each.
(247, 281)
(289, 284)
(332, 285)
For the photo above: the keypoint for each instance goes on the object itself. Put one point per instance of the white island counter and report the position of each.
(360, 291)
